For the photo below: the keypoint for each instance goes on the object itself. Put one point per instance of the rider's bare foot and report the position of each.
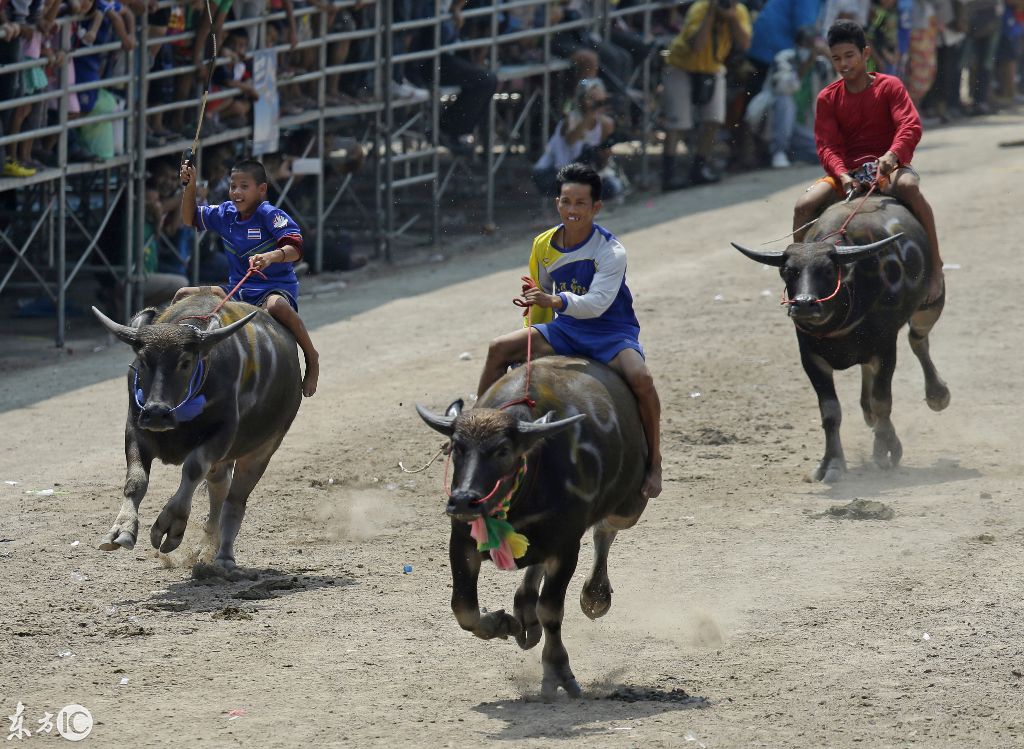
(936, 284)
(652, 482)
(312, 374)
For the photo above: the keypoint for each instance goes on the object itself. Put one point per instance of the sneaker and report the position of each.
(13, 169)
(780, 160)
(406, 90)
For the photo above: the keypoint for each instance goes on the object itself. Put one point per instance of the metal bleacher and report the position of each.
(55, 225)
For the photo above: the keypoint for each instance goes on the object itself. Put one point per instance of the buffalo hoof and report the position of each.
(555, 677)
(596, 598)
(497, 624)
(529, 636)
(887, 453)
(168, 531)
(937, 396)
(829, 470)
(118, 538)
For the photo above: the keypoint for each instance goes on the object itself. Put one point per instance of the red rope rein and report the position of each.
(230, 294)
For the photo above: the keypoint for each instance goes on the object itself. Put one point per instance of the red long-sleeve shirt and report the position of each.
(851, 129)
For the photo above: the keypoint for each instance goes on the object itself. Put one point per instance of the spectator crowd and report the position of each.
(736, 80)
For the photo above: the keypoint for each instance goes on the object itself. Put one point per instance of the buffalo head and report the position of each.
(167, 356)
(812, 272)
(488, 446)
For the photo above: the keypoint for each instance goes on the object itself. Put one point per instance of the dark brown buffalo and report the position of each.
(245, 391)
(848, 302)
(583, 468)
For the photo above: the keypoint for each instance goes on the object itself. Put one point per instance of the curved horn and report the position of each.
(123, 332)
(442, 424)
(776, 258)
(544, 427)
(213, 337)
(844, 254)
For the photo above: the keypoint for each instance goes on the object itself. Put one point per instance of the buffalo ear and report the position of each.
(534, 431)
(844, 254)
(776, 258)
(143, 317)
(121, 332)
(455, 408)
(443, 424)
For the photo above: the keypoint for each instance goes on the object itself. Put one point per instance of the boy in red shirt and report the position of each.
(860, 118)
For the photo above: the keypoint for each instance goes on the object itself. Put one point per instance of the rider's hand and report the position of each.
(261, 261)
(888, 163)
(849, 184)
(187, 173)
(541, 298)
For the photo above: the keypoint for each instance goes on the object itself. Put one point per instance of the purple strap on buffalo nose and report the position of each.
(193, 403)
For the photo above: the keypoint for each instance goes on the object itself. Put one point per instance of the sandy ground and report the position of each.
(792, 629)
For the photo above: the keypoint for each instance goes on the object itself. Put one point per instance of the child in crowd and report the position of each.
(256, 235)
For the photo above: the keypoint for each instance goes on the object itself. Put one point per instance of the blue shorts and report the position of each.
(602, 345)
(256, 296)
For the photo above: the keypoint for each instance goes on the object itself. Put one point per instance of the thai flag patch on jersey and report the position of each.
(255, 234)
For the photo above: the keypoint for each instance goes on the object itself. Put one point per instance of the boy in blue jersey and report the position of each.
(579, 269)
(259, 235)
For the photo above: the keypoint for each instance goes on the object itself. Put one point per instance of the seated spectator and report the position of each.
(794, 80)
(235, 73)
(590, 54)
(694, 82)
(581, 136)
(774, 30)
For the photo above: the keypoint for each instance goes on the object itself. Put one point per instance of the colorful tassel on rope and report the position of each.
(497, 536)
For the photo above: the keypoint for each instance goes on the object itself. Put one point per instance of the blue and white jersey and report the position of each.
(268, 227)
(590, 278)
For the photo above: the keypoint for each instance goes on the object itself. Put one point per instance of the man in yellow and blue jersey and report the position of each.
(255, 234)
(581, 306)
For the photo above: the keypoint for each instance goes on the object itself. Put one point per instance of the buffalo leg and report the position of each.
(169, 527)
(550, 608)
(867, 383)
(125, 530)
(465, 562)
(246, 474)
(218, 483)
(596, 596)
(887, 450)
(525, 607)
(833, 464)
(921, 322)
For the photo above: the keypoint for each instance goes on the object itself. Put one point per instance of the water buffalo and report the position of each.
(560, 477)
(213, 396)
(848, 302)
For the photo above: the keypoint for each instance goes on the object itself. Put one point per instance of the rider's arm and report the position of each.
(828, 136)
(543, 279)
(611, 269)
(908, 122)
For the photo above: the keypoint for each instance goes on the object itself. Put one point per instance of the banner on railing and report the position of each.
(265, 129)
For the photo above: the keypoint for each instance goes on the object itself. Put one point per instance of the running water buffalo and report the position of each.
(848, 303)
(215, 400)
(560, 477)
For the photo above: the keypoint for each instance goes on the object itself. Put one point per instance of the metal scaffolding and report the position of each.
(51, 223)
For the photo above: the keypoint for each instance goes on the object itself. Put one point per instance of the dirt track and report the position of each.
(797, 630)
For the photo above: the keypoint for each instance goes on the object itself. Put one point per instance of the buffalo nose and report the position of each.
(803, 300)
(461, 502)
(154, 414)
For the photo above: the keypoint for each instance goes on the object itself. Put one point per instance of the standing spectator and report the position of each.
(883, 31)
(694, 79)
(983, 27)
(922, 60)
(1011, 45)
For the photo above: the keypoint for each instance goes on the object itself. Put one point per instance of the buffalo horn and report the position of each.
(213, 337)
(856, 252)
(442, 424)
(123, 332)
(776, 258)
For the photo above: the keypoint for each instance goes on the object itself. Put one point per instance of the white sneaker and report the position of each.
(406, 90)
(780, 160)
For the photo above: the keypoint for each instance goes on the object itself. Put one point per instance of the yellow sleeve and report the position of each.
(744, 18)
(538, 314)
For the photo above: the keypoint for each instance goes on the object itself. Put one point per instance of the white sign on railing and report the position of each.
(265, 129)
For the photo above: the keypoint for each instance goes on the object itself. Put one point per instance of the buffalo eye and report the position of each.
(501, 453)
(185, 364)
(458, 448)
